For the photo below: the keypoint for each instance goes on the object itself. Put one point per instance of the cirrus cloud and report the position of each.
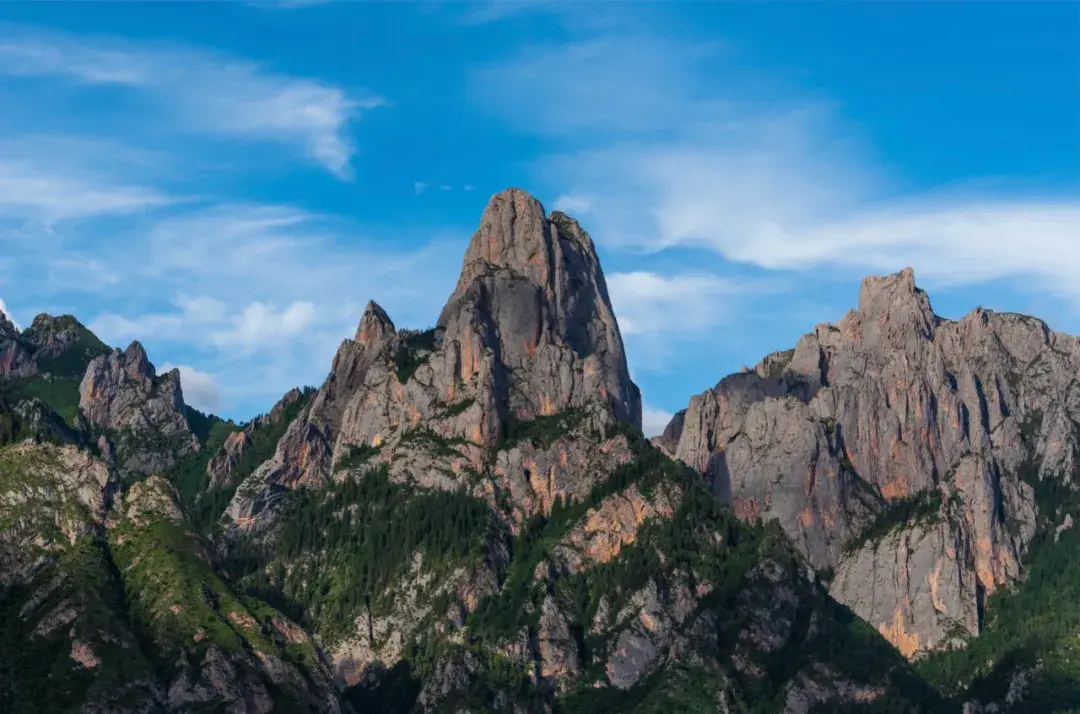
(203, 91)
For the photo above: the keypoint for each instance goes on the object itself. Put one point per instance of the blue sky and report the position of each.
(230, 182)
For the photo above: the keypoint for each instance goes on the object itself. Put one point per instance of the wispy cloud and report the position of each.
(50, 193)
(7, 313)
(653, 420)
(660, 158)
(200, 389)
(203, 91)
(649, 304)
(260, 324)
(265, 293)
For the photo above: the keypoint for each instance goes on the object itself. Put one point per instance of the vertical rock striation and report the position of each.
(528, 333)
(890, 412)
(122, 394)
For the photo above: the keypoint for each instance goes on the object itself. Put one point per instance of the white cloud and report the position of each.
(60, 193)
(628, 83)
(263, 293)
(205, 92)
(653, 420)
(201, 390)
(7, 314)
(667, 160)
(574, 205)
(262, 325)
(190, 322)
(649, 304)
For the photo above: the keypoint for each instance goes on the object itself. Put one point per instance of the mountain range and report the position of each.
(469, 519)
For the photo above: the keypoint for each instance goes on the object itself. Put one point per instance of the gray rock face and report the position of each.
(304, 456)
(887, 404)
(224, 463)
(14, 356)
(15, 359)
(538, 284)
(121, 393)
(528, 333)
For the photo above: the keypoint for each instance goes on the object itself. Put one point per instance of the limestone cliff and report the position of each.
(528, 333)
(893, 405)
(470, 514)
(143, 413)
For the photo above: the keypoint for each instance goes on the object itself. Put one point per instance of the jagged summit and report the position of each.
(891, 307)
(528, 332)
(894, 405)
(538, 283)
(122, 392)
(136, 362)
(375, 325)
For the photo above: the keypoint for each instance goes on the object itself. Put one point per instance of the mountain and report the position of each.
(917, 463)
(468, 518)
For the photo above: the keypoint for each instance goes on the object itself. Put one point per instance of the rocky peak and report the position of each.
(528, 332)
(513, 233)
(375, 325)
(531, 288)
(61, 346)
(136, 363)
(892, 310)
(7, 327)
(891, 407)
(121, 392)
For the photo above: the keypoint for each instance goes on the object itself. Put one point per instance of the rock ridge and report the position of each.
(888, 406)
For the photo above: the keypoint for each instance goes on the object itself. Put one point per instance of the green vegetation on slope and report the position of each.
(59, 394)
(70, 363)
(84, 602)
(923, 507)
(182, 604)
(360, 536)
(703, 538)
(205, 505)
(1036, 623)
(543, 430)
(503, 616)
(413, 350)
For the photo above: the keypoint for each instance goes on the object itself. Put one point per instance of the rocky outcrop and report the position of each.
(886, 406)
(224, 462)
(122, 394)
(304, 455)
(528, 334)
(62, 346)
(15, 359)
(57, 347)
(50, 496)
(223, 465)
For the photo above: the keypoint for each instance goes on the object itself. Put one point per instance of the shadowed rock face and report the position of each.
(538, 283)
(895, 403)
(528, 332)
(15, 358)
(122, 393)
